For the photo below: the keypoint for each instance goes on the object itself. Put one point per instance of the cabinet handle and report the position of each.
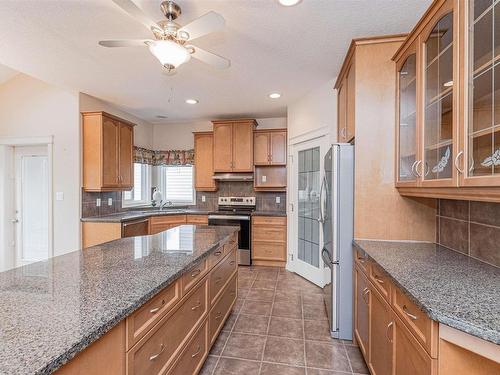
(413, 168)
(343, 132)
(379, 280)
(156, 309)
(196, 306)
(411, 316)
(197, 352)
(195, 273)
(416, 168)
(154, 356)
(218, 316)
(461, 171)
(366, 291)
(232, 263)
(218, 279)
(218, 253)
(387, 331)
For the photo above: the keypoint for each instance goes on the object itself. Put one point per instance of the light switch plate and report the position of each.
(264, 178)
(278, 200)
(110, 201)
(203, 199)
(59, 196)
(98, 202)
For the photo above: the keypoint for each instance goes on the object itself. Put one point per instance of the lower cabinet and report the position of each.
(380, 335)
(269, 241)
(361, 311)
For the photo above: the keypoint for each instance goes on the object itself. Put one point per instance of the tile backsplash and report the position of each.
(472, 228)
(89, 206)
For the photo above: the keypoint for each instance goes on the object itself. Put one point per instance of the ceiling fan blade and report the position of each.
(203, 25)
(125, 43)
(137, 13)
(210, 58)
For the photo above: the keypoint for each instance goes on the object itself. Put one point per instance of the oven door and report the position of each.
(244, 240)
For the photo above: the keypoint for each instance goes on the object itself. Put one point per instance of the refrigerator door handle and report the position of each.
(327, 259)
(321, 218)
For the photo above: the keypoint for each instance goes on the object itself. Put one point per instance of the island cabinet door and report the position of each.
(361, 311)
(410, 358)
(381, 335)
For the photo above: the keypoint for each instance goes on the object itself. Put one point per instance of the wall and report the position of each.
(29, 107)
(143, 132)
(380, 212)
(316, 110)
(472, 228)
(183, 139)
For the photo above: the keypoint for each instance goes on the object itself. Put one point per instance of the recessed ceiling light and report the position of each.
(192, 101)
(275, 95)
(289, 3)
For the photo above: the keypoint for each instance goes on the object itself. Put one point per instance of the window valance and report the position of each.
(169, 157)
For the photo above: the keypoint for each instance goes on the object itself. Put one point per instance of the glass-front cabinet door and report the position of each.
(439, 112)
(482, 104)
(406, 132)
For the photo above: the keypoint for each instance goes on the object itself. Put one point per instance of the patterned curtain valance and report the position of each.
(170, 157)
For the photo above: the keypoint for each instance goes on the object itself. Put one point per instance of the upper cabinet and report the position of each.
(203, 161)
(107, 152)
(233, 145)
(270, 147)
(345, 99)
(448, 103)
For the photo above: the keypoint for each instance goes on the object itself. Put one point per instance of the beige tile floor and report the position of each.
(279, 326)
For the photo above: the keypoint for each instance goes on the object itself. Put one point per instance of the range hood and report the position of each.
(233, 176)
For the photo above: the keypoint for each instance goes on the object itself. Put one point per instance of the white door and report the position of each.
(31, 219)
(306, 238)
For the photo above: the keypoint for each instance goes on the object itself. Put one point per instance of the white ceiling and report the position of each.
(272, 48)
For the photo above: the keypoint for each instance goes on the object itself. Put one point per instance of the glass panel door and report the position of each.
(407, 77)
(483, 133)
(438, 102)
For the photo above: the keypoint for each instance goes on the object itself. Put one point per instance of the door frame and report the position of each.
(49, 143)
(319, 137)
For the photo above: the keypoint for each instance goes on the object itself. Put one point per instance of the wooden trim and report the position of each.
(269, 263)
(364, 41)
(462, 193)
(97, 233)
(272, 130)
(240, 120)
(106, 114)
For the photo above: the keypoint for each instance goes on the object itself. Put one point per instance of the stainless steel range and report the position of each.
(236, 211)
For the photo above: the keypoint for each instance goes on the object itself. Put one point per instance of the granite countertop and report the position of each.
(269, 213)
(124, 216)
(451, 288)
(52, 310)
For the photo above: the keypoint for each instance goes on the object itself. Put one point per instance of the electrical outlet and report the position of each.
(98, 202)
(278, 200)
(203, 199)
(110, 201)
(264, 178)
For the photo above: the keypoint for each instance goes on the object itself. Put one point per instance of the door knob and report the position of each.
(15, 221)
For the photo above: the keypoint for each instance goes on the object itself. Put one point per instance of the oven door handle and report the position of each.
(228, 217)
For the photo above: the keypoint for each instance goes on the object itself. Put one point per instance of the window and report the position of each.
(140, 194)
(176, 184)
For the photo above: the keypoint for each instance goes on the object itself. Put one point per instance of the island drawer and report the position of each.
(143, 319)
(221, 274)
(192, 358)
(222, 308)
(381, 281)
(215, 257)
(156, 351)
(191, 277)
(423, 328)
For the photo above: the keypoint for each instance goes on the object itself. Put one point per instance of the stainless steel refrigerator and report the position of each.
(336, 217)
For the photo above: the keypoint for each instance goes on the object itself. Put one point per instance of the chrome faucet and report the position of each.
(166, 203)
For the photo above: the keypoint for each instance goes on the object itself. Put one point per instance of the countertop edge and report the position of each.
(465, 327)
(99, 332)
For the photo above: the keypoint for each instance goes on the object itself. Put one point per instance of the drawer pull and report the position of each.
(411, 316)
(218, 253)
(232, 263)
(195, 272)
(232, 294)
(387, 331)
(379, 280)
(361, 260)
(196, 306)
(218, 279)
(153, 357)
(156, 309)
(218, 316)
(366, 291)
(197, 352)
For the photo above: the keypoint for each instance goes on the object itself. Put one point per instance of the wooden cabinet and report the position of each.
(345, 99)
(270, 147)
(233, 145)
(445, 70)
(269, 241)
(361, 311)
(197, 219)
(159, 224)
(204, 161)
(381, 328)
(107, 152)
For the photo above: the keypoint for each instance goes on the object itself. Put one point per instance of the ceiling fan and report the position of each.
(170, 44)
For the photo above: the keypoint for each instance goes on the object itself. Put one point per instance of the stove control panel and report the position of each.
(236, 201)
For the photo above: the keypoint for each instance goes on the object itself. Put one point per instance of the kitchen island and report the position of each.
(134, 305)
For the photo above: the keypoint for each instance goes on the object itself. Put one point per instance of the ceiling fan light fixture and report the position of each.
(169, 53)
(289, 3)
